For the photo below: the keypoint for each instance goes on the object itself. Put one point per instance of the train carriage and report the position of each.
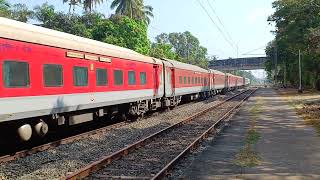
(217, 81)
(50, 78)
(189, 79)
(46, 74)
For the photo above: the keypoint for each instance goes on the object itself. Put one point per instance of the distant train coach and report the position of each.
(50, 79)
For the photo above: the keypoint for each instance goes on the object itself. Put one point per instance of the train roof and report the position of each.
(16, 30)
(216, 72)
(181, 65)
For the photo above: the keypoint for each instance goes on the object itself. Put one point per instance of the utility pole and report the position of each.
(285, 75)
(276, 63)
(300, 74)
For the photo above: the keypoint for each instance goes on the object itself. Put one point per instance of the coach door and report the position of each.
(173, 80)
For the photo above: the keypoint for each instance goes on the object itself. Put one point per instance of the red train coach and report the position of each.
(189, 80)
(218, 81)
(50, 78)
(46, 74)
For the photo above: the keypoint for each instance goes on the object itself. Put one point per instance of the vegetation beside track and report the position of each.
(307, 105)
(247, 157)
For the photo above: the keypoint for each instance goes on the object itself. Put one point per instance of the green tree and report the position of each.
(4, 8)
(161, 50)
(88, 5)
(187, 47)
(49, 18)
(297, 24)
(20, 12)
(72, 4)
(134, 9)
(123, 31)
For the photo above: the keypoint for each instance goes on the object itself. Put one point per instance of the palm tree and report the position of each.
(133, 9)
(88, 5)
(72, 3)
(146, 13)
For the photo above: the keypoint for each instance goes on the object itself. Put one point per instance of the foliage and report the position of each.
(297, 27)
(186, 46)
(247, 158)
(72, 4)
(161, 50)
(20, 12)
(49, 18)
(4, 8)
(123, 31)
(134, 9)
(88, 5)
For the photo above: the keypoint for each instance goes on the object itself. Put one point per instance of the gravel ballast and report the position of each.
(52, 164)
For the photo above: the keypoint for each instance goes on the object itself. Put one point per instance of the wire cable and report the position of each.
(219, 29)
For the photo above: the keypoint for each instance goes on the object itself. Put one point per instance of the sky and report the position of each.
(237, 27)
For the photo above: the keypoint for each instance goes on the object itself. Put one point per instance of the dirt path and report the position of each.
(286, 148)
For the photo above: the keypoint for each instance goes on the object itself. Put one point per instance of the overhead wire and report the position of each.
(247, 53)
(220, 21)
(214, 23)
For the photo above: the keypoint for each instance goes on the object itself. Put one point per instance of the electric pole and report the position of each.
(276, 63)
(300, 74)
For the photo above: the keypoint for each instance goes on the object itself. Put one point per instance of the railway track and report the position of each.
(153, 156)
(43, 147)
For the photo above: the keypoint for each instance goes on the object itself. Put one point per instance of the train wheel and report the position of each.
(25, 132)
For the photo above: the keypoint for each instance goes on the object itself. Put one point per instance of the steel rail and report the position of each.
(162, 173)
(40, 148)
(97, 165)
(43, 147)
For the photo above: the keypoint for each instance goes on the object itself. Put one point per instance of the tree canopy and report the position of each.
(186, 46)
(297, 28)
(134, 9)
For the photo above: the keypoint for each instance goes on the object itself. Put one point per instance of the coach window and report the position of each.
(52, 75)
(80, 76)
(185, 80)
(192, 80)
(101, 77)
(15, 74)
(188, 80)
(118, 77)
(131, 78)
(143, 78)
(180, 79)
(198, 80)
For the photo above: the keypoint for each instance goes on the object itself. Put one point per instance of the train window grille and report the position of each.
(131, 78)
(118, 77)
(101, 77)
(185, 80)
(52, 75)
(180, 79)
(188, 80)
(192, 80)
(80, 76)
(199, 82)
(143, 78)
(15, 74)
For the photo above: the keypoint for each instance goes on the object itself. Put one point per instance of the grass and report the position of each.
(246, 157)
(310, 112)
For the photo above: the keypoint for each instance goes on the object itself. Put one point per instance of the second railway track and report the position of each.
(153, 156)
(49, 145)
